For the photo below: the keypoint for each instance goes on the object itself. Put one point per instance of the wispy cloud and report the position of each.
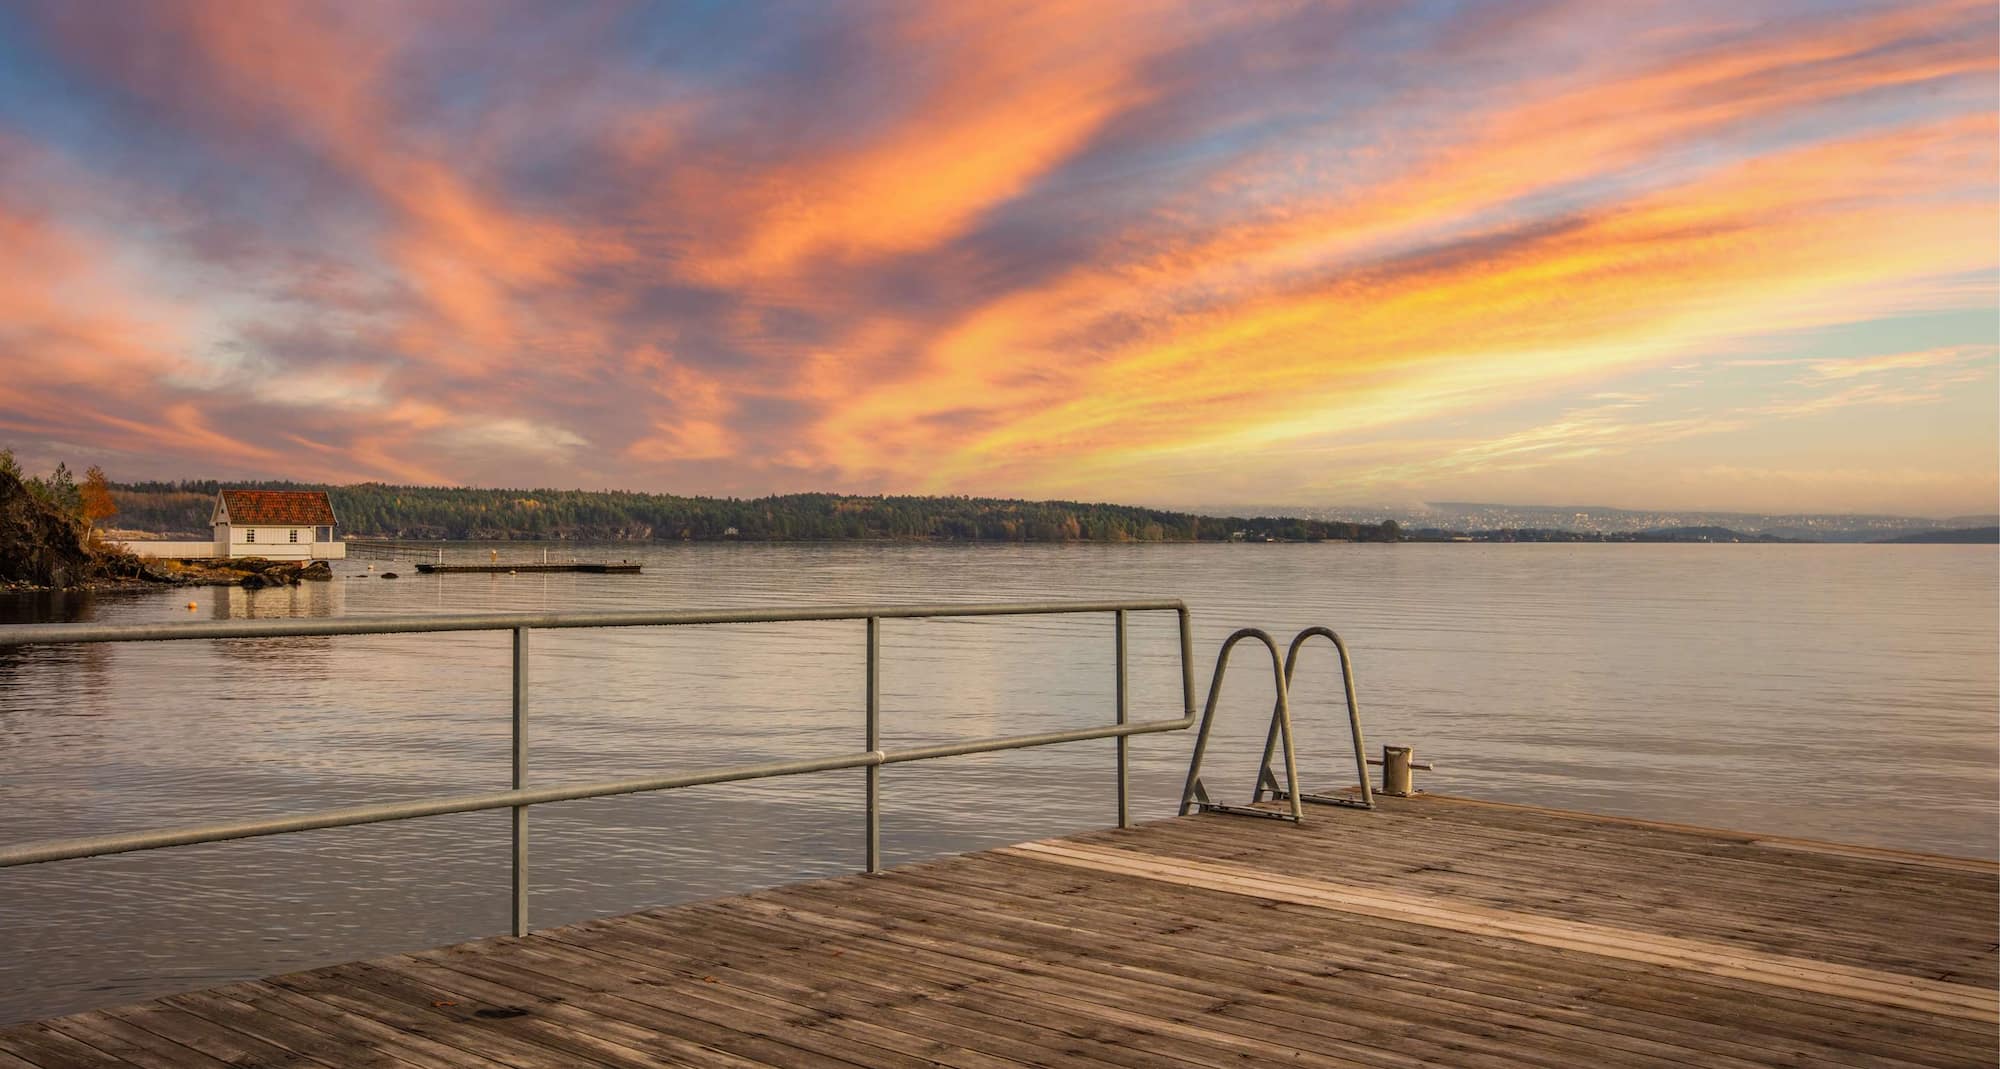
(1948, 356)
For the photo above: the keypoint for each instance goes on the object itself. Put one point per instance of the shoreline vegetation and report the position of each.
(430, 513)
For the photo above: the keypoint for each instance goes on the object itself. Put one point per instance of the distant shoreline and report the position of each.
(430, 514)
(1968, 536)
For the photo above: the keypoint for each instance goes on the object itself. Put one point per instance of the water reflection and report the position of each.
(298, 654)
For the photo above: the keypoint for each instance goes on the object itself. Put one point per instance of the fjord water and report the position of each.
(1837, 692)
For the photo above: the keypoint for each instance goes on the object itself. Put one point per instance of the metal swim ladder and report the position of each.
(1194, 795)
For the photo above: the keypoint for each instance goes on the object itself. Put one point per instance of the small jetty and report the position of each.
(1428, 931)
(592, 567)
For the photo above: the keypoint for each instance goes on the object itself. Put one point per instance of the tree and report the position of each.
(62, 490)
(96, 498)
(8, 465)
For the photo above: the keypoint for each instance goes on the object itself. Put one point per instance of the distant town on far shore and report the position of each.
(1471, 517)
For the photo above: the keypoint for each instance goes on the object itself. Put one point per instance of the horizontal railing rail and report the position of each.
(521, 797)
(65, 634)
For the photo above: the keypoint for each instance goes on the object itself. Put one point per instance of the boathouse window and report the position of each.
(295, 536)
(322, 534)
(250, 535)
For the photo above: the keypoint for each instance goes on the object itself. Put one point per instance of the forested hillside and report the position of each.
(376, 510)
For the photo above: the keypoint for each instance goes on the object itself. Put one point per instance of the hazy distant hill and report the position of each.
(1549, 534)
(1470, 516)
(426, 512)
(1956, 536)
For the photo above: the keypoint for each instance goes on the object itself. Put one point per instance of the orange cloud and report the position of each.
(1264, 329)
(1090, 249)
(1756, 248)
(1014, 91)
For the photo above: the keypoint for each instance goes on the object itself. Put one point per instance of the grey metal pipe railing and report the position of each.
(65, 634)
(520, 797)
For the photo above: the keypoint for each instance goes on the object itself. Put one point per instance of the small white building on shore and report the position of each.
(275, 524)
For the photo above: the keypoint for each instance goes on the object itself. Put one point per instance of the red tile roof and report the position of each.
(278, 508)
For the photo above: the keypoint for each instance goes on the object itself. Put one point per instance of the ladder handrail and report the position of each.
(1193, 794)
(1265, 780)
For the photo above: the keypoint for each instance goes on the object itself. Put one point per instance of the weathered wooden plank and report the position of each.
(1482, 810)
(1380, 953)
(301, 1012)
(1082, 1011)
(1865, 985)
(1404, 1027)
(1607, 940)
(893, 983)
(1841, 1007)
(597, 1032)
(946, 982)
(350, 996)
(41, 1046)
(674, 1014)
(1368, 847)
(308, 1045)
(814, 1024)
(855, 984)
(1028, 966)
(1433, 832)
(569, 1034)
(137, 1046)
(1763, 993)
(1234, 957)
(1037, 966)
(177, 1026)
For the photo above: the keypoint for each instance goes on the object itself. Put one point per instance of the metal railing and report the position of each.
(520, 797)
(1194, 794)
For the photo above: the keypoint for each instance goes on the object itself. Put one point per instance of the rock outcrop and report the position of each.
(42, 547)
(265, 573)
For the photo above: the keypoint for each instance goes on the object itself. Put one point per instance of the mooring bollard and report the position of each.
(1397, 779)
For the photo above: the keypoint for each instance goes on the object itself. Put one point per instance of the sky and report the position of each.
(1739, 255)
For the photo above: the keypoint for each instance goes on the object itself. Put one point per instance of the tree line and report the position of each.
(437, 512)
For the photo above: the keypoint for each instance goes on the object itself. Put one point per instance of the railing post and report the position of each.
(874, 743)
(520, 812)
(1124, 741)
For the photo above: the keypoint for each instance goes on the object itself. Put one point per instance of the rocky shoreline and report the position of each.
(44, 548)
(250, 573)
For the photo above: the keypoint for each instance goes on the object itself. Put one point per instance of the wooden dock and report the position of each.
(592, 567)
(1432, 931)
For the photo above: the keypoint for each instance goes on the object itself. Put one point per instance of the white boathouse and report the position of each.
(275, 524)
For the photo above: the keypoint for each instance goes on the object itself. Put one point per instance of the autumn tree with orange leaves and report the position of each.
(97, 503)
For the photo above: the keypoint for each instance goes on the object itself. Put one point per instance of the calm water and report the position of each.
(1839, 692)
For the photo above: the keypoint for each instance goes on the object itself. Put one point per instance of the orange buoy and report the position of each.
(190, 606)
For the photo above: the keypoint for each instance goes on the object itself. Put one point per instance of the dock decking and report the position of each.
(593, 567)
(1432, 931)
